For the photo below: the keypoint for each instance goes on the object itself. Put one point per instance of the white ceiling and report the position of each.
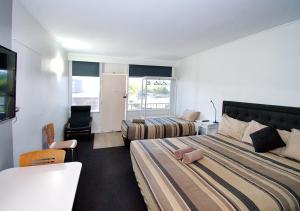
(156, 29)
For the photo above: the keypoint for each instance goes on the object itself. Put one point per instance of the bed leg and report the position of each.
(126, 142)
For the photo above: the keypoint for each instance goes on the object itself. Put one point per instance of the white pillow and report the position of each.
(190, 115)
(253, 127)
(285, 136)
(293, 145)
(232, 127)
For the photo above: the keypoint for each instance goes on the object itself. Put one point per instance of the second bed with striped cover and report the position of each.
(231, 176)
(163, 127)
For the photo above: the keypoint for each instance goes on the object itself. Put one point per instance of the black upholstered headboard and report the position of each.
(281, 117)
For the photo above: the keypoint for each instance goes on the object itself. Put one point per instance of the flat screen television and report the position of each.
(8, 69)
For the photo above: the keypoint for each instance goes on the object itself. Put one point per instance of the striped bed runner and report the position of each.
(231, 176)
(164, 127)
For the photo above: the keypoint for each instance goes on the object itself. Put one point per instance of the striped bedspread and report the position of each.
(164, 127)
(231, 176)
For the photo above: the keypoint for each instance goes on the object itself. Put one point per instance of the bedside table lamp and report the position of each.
(215, 111)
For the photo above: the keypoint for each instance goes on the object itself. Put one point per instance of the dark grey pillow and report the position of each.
(266, 139)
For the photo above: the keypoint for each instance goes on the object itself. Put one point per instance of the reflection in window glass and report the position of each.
(86, 91)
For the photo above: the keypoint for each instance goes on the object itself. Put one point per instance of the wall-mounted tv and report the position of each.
(8, 68)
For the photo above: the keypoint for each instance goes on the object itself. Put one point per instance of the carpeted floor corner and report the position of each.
(107, 181)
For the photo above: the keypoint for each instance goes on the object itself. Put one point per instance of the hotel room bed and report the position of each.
(163, 127)
(231, 176)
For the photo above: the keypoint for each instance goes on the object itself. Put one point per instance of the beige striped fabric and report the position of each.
(164, 127)
(231, 176)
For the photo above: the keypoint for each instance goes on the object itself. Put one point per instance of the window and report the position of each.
(85, 91)
(158, 94)
(155, 95)
(86, 84)
(134, 94)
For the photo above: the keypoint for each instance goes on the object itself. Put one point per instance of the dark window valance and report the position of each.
(85, 68)
(146, 70)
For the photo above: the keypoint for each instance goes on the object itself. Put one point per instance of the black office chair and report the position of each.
(80, 122)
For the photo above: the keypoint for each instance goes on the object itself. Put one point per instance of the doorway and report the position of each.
(113, 102)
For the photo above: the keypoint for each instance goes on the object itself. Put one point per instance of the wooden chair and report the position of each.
(67, 145)
(42, 157)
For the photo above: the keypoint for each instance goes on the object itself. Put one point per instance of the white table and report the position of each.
(48, 187)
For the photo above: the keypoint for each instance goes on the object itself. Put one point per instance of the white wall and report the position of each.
(119, 60)
(42, 82)
(261, 68)
(6, 146)
(5, 22)
(115, 68)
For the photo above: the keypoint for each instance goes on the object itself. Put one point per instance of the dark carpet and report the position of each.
(107, 181)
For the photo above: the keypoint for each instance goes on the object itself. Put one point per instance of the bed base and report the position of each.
(144, 188)
(126, 142)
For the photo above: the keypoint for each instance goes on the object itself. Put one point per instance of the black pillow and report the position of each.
(266, 139)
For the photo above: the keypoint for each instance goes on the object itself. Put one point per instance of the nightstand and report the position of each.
(206, 128)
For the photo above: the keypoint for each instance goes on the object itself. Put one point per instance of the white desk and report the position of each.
(36, 188)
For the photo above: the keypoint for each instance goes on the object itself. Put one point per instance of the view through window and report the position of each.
(86, 91)
(158, 94)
